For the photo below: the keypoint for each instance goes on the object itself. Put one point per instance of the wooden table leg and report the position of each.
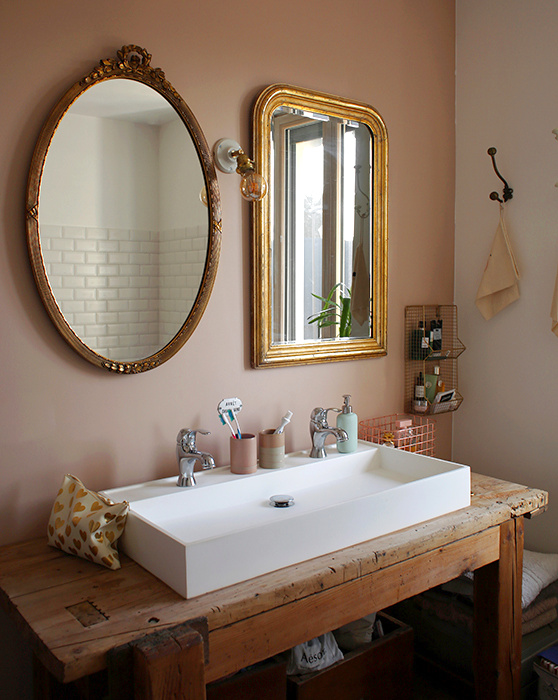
(172, 667)
(497, 619)
(161, 665)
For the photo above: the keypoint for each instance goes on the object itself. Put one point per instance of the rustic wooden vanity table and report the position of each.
(81, 619)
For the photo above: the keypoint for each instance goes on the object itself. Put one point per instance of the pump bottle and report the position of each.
(348, 421)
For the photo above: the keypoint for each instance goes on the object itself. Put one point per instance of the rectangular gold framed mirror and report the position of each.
(319, 239)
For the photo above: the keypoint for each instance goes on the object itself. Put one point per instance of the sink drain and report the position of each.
(281, 501)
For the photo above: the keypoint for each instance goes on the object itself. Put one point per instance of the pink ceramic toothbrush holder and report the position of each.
(244, 454)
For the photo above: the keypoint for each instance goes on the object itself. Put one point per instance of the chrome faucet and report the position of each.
(188, 454)
(319, 430)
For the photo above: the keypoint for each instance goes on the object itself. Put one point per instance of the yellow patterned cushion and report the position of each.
(86, 524)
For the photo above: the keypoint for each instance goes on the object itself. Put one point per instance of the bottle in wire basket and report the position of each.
(420, 404)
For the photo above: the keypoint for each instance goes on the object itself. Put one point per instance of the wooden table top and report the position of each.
(72, 611)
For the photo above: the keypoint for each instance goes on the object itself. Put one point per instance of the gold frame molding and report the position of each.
(133, 63)
(265, 353)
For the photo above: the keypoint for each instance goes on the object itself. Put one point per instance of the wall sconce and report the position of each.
(229, 157)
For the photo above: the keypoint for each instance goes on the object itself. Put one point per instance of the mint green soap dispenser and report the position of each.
(348, 421)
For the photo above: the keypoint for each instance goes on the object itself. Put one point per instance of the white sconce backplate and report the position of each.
(222, 151)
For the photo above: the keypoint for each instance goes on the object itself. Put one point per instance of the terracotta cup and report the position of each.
(244, 454)
(272, 449)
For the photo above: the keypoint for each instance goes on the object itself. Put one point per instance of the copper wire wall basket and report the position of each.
(418, 438)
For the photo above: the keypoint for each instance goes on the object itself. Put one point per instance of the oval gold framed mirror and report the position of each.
(123, 216)
(319, 244)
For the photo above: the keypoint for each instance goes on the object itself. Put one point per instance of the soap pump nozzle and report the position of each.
(347, 408)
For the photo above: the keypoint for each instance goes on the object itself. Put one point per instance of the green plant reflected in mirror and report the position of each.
(335, 313)
(319, 247)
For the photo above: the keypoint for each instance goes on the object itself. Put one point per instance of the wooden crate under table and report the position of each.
(381, 669)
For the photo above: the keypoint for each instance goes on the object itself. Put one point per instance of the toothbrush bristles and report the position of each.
(225, 421)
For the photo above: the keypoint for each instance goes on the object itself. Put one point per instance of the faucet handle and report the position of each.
(335, 410)
(319, 415)
(187, 437)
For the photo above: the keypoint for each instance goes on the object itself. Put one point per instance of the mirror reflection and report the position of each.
(321, 234)
(320, 243)
(123, 230)
(123, 216)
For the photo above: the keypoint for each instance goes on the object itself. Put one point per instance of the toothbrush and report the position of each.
(286, 419)
(232, 417)
(225, 421)
(229, 408)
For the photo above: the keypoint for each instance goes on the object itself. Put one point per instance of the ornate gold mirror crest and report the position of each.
(319, 243)
(123, 216)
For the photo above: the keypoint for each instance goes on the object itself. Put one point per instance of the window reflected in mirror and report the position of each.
(320, 238)
(325, 207)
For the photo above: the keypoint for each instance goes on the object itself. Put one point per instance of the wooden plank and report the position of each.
(135, 602)
(261, 636)
(126, 597)
(497, 619)
(120, 672)
(156, 665)
(169, 665)
(25, 567)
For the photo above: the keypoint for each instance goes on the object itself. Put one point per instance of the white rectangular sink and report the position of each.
(223, 530)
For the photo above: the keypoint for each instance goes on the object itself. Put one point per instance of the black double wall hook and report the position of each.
(508, 192)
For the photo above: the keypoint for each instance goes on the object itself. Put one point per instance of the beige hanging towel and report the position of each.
(499, 285)
(554, 307)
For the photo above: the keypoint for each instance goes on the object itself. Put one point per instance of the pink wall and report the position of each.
(60, 414)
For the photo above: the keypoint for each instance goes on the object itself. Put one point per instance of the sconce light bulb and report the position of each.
(229, 156)
(253, 186)
(203, 196)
